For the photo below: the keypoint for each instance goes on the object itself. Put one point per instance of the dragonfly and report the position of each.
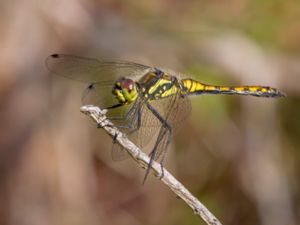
(146, 103)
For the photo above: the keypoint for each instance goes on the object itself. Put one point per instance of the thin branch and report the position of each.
(143, 160)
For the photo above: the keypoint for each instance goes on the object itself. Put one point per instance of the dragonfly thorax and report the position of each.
(125, 90)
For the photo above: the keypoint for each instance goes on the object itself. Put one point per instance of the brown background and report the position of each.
(238, 155)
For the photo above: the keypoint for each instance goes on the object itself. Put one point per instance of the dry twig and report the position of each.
(143, 160)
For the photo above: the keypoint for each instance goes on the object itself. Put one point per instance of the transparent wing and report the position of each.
(99, 94)
(100, 75)
(92, 70)
(174, 110)
(129, 124)
(135, 126)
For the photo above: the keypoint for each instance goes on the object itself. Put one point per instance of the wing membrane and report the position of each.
(90, 70)
(174, 109)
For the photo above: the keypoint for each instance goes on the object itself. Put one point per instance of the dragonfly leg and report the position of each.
(134, 118)
(166, 129)
(162, 171)
(115, 138)
(165, 145)
(125, 117)
(168, 140)
(131, 116)
(139, 120)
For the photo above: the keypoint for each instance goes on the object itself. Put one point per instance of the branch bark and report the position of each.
(98, 115)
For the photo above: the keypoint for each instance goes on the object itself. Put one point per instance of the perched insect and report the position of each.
(143, 101)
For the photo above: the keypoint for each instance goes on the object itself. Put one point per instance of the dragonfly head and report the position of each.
(125, 90)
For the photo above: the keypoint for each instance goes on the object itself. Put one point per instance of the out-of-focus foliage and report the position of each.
(238, 155)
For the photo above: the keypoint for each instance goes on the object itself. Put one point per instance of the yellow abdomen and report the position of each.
(191, 87)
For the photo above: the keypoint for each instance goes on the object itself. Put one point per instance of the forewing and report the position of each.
(99, 75)
(92, 70)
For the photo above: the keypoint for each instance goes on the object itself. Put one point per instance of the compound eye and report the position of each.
(129, 88)
(128, 84)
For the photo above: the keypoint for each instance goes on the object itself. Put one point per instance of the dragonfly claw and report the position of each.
(162, 171)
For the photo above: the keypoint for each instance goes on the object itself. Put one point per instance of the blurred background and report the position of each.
(238, 155)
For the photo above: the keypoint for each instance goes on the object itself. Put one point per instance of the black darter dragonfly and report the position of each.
(144, 102)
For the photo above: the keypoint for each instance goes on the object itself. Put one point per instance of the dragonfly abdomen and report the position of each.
(191, 87)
